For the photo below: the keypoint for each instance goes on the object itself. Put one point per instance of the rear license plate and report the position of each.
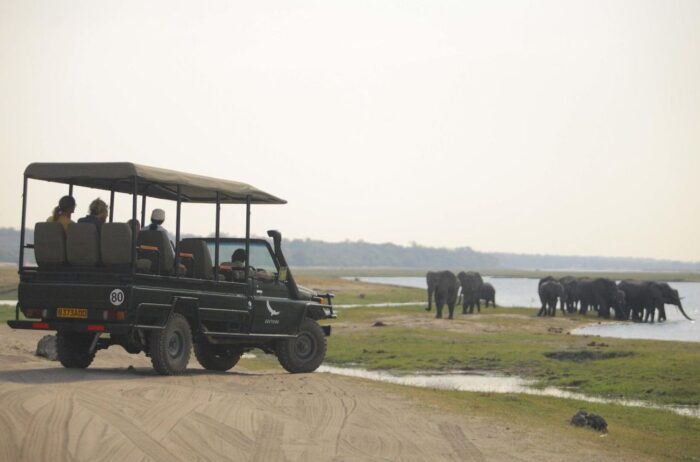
(80, 313)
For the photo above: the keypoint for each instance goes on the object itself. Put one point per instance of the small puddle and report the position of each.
(484, 383)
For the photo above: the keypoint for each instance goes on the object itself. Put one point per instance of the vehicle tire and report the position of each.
(305, 352)
(171, 347)
(74, 349)
(216, 357)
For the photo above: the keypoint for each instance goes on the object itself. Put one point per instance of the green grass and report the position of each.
(7, 312)
(647, 433)
(655, 371)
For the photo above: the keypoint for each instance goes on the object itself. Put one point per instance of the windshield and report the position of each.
(260, 257)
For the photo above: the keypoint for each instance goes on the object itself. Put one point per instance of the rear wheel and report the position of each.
(171, 347)
(74, 349)
(216, 357)
(305, 352)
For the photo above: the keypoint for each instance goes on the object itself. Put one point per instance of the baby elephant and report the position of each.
(550, 291)
(488, 294)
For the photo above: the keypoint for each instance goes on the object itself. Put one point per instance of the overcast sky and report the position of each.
(536, 127)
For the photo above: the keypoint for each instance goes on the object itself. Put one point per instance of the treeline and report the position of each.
(308, 252)
(357, 254)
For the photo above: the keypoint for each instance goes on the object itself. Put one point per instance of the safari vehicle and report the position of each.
(134, 288)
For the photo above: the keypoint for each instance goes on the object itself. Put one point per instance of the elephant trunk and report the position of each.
(680, 307)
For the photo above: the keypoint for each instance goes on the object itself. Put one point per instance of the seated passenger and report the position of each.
(98, 213)
(62, 213)
(238, 258)
(157, 219)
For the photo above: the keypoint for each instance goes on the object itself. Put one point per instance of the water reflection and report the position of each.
(494, 384)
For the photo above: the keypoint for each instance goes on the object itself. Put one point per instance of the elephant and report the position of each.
(431, 278)
(644, 298)
(570, 284)
(639, 295)
(471, 282)
(601, 295)
(621, 312)
(671, 297)
(444, 289)
(550, 290)
(488, 294)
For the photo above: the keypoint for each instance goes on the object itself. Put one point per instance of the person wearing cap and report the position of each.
(98, 213)
(157, 219)
(62, 213)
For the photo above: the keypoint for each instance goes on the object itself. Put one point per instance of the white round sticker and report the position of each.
(116, 297)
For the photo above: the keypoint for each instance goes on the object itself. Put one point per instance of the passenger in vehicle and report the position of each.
(234, 271)
(62, 213)
(157, 219)
(98, 213)
(238, 258)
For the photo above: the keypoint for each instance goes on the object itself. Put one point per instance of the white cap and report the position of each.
(158, 215)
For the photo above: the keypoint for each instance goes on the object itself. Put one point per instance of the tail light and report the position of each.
(109, 315)
(35, 313)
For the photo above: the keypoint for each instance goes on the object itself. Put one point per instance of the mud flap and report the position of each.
(326, 330)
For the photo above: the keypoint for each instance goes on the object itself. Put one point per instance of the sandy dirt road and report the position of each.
(109, 412)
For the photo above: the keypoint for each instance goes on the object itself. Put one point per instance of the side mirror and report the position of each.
(282, 276)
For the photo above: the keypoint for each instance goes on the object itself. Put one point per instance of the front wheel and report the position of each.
(305, 352)
(171, 347)
(74, 349)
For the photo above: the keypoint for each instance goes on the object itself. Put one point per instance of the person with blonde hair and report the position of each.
(62, 213)
(98, 213)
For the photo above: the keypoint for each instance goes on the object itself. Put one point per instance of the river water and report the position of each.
(494, 384)
(522, 292)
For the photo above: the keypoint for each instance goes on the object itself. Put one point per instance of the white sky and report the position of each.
(543, 126)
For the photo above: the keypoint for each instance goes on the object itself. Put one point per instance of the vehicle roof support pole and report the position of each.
(24, 225)
(111, 205)
(177, 230)
(143, 210)
(247, 238)
(216, 238)
(134, 231)
(70, 189)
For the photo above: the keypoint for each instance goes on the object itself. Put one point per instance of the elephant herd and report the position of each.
(629, 299)
(444, 287)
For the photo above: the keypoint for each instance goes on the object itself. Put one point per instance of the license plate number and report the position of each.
(72, 313)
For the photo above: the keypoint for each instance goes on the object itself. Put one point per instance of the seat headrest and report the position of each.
(115, 244)
(82, 244)
(49, 244)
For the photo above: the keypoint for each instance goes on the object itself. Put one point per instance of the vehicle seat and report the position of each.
(49, 245)
(202, 267)
(83, 244)
(155, 246)
(115, 244)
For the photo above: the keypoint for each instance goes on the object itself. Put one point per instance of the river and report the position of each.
(522, 292)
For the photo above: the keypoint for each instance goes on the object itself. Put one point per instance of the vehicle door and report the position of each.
(273, 310)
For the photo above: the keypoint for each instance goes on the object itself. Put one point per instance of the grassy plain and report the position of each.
(515, 341)
(501, 341)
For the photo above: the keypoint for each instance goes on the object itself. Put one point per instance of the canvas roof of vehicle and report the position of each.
(152, 181)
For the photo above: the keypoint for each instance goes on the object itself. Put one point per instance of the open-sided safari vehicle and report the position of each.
(122, 286)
